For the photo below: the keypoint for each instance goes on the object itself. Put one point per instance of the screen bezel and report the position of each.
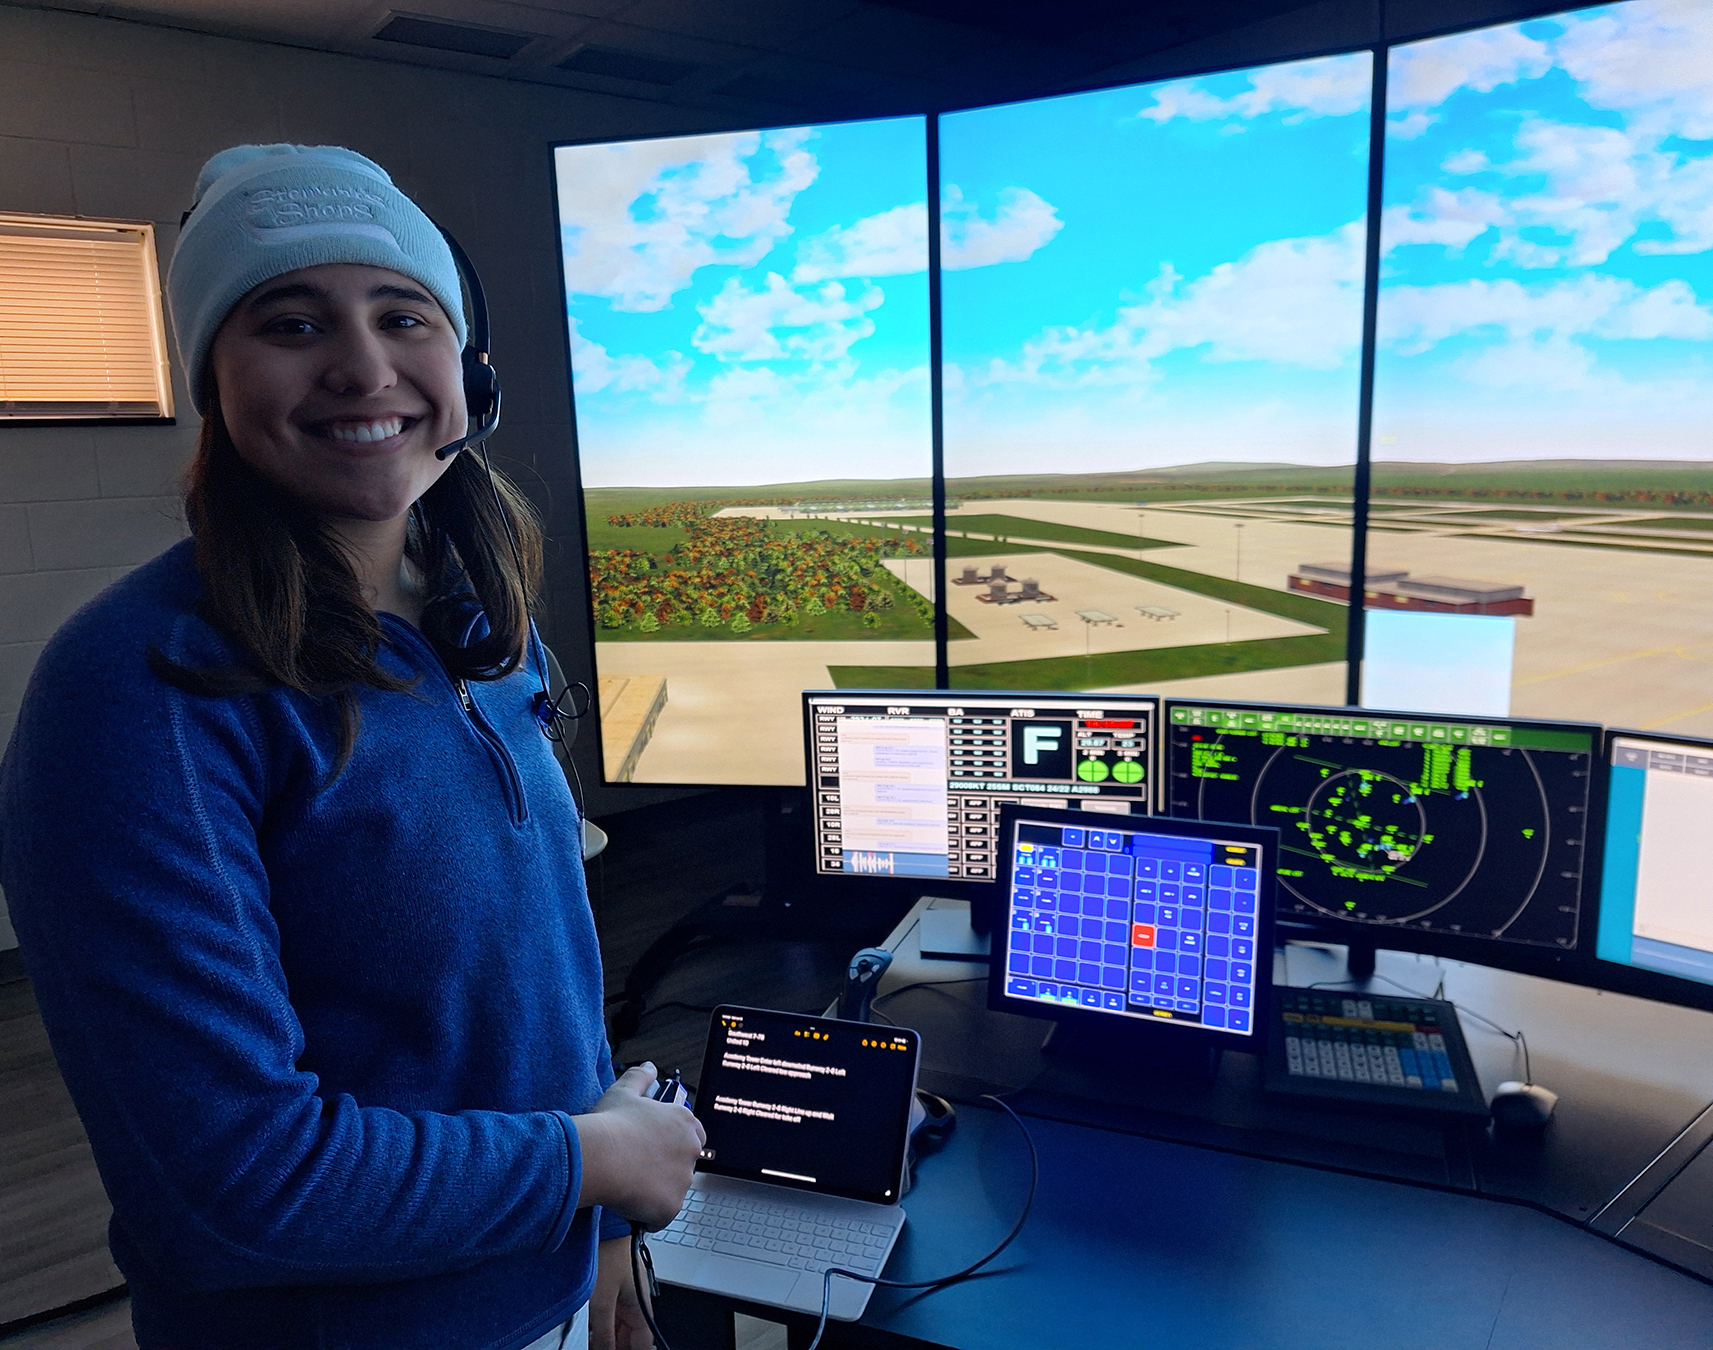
(1614, 975)
(1160, 1032)
(895, 1166)
(1065, 697)
(1575, 966)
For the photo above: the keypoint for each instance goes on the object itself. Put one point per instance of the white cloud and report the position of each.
(1450, 219)
(1598, 186)
(1647, 58)
(1554, 363)
(890, 244)
(1022, 223)
(895, 242)
(640, 218)
(1411, 125)
(595, 370)
(1328, 86)
(1294, 302)
(784, 322)
(1424, 74)
(1415, 318)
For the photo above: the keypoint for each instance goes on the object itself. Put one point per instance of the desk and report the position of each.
(1632, 1076)
(1170, 1214)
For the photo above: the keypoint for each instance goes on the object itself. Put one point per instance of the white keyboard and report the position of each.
(778, 1233)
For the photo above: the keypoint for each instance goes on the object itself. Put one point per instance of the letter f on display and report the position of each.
(1037, 739)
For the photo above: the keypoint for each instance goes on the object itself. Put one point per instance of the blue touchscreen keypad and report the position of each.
(1134, 924)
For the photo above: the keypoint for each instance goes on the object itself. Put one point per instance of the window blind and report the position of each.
(81, 331)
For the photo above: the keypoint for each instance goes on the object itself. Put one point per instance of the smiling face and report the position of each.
(337, 384)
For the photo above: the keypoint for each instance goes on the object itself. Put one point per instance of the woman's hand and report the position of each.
(615, 1318)
(638, 1154)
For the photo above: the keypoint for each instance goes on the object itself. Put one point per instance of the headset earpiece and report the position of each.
(481, 381)
(481, 396)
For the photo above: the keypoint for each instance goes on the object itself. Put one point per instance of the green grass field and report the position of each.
(1010, 527)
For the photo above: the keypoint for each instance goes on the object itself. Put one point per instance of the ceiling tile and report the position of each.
(670, 46)
(751, 23)
(891, 40)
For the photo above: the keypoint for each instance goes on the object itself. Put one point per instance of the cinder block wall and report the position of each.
(103, 117)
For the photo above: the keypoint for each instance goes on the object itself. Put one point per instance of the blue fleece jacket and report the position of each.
(326, 1044)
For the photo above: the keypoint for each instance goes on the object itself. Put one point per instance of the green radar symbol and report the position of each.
(1092, 771)
(1127, 771)
(1364, 824)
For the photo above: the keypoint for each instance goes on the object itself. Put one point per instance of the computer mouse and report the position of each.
(1523, 1106)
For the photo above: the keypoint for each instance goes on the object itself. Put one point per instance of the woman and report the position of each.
(294, 871)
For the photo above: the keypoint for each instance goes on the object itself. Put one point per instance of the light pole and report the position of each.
(1237, 570)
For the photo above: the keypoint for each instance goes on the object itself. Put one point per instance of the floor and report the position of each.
(53, 1213)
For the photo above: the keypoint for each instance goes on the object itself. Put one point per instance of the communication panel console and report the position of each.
(1139, 924)
(909, 783)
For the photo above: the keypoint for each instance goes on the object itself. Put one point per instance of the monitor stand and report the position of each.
(945, 931)
(1119, 1050)
(1359, 959)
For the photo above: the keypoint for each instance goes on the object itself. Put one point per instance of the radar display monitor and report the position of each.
(908, 782)
(1136, 924)
(1655, 932)
(1427, 832)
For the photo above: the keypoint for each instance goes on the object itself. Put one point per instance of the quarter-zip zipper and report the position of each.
(508, 766)
(511, 780)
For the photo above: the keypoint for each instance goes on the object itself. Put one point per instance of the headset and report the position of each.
(482, 401)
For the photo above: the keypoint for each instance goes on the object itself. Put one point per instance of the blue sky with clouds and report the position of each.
(1201, 297)
(1548, 282)
(751, 307)
(1172, 272)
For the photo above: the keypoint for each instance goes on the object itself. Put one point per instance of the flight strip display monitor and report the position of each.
(909, 783)
(1656, 898)
(1443, 828)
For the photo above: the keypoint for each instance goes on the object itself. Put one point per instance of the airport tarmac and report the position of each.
(1002, 635)
(732, 708)
(1618, 636)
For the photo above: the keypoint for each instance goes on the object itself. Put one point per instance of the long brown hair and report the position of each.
(278, 583)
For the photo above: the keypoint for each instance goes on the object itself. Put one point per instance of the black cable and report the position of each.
(549, 711)
(116, 1294)
(638, 1258)
(967, 1271)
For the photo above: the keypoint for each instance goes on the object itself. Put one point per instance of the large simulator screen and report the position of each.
(910, 784)
(1543, 381)
(1152, 305)
(1428, 825)
(748, 320)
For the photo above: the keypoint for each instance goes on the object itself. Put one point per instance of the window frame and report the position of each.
(154, 299)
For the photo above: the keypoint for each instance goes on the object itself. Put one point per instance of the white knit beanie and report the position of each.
(263, 210)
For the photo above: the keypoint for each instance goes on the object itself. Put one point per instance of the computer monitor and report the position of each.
(908, 782)
(1158, 929)
(1655, 932)
(1463, 837)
